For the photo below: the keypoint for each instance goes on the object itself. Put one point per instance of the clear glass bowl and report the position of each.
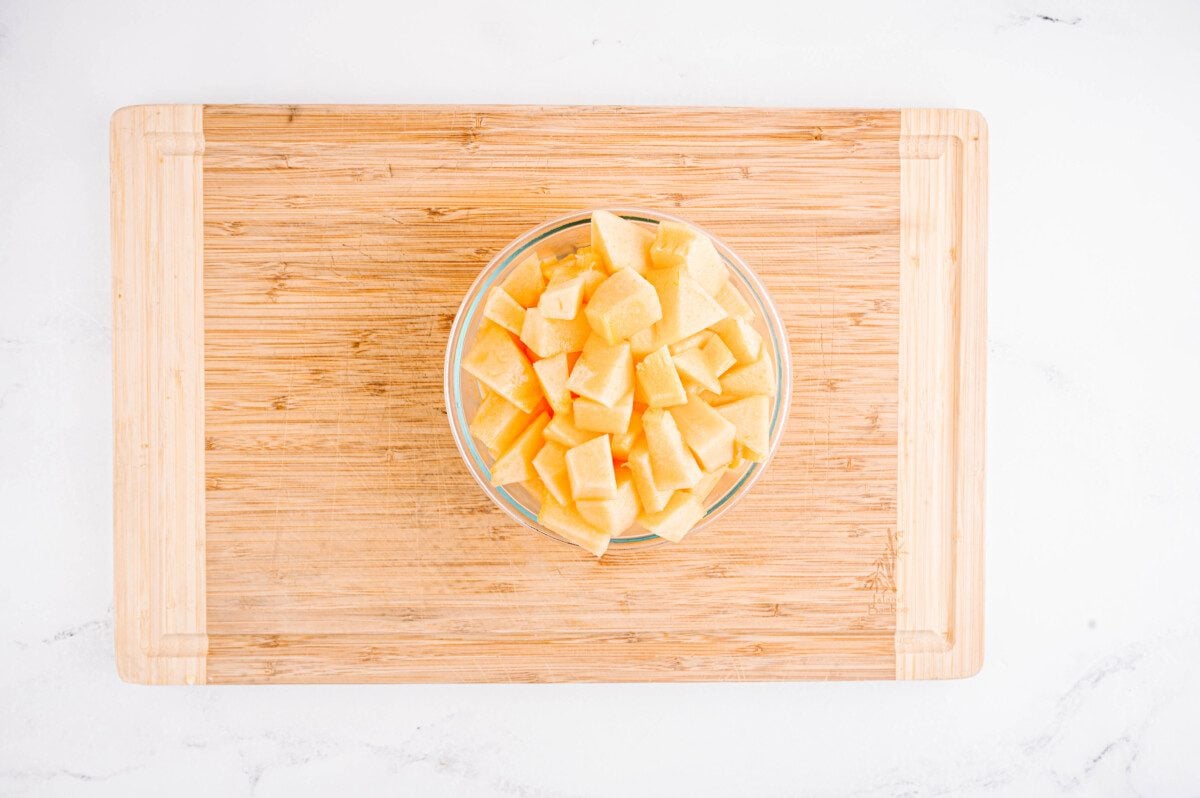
(559, 238)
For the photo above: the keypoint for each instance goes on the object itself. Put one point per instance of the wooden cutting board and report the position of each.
(289, 503)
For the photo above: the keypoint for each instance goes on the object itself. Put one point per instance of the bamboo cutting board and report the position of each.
(290, 506)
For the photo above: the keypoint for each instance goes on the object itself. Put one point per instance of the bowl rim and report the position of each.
(470, 305)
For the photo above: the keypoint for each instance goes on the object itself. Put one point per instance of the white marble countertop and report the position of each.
(1091, 684)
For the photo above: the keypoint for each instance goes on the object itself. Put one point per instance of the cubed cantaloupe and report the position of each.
(552, 375)
(504, 310)
(591, 272)
(751, 418)
(743, 340)
(708, 434)
(652, 497)
(516, 464)
(734, 303)
(562, 429)
(525, 282)
(716, 399)
(622, 444)
(592, 416)
(497, 362)
(550, 463)
(686, 307)
(497, 422)
(717, 356)
(590, 469)
(693, 367)
(677, 244)
(613, 516)
(674, 467)
(754, 378)
(643, 342)
(659, 381)
(620, 243)
(706, 484)
(604, 372)
(547, 337)
(566, 521)
(623, 305)
(675, 520)
(563, 297)
(692, 341)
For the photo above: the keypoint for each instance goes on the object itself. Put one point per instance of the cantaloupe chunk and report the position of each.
(708, 434)
(674, 521)
(659, 381)
(504, 310)
(604, 372)
(717, 356)
(592, 416)
(547, 337)
(756, 377)
(622, 444)
(674, 467)
(516, 464)
(498, 422)
(743, 340)
(550, 463)
(716, 399)
(682, 245)
(552, 376)
(623, 305)
(612, 516)
(551, 264)
(497, 362)
(706, 484)
(566, 521)
(562, 298)
(643, 342)
(734, 303)
(692, 341)
(686, 307)
(620, 243)
(525, 282)
(652, 497)
(591, 272)
(693, 366)
(590, 469)
(562, 429)
(751, 417)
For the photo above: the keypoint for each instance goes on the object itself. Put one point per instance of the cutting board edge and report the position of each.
(156, 170)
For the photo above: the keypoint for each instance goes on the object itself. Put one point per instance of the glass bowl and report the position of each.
(559, 238)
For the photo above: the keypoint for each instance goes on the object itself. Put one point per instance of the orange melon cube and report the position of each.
(751, 418)
(686, 307)
(717, 356)
(659, 381)
(692, 341)
(675, 520)
(652, 497)
(742, 340)
(562, 429)
(562, 298)
(623, 305)
(680, 245)
(516, 464)
(623, 442)
(592, 416)
(504, 310)
(552, 376)
(674, 467)
(525, 282)
(734, 303)
(693, 366)
(706, 484)
(547, 337)
(620, 243)
(604, 372)
(754, 378)
(590, 470)
(497, 362)
(708, 434)
(498, 422)
(567, 522)
(550, 464)
(612, 516)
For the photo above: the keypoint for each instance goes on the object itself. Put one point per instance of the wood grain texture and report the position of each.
(344, 539)
(158, 406)
(943, 355)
